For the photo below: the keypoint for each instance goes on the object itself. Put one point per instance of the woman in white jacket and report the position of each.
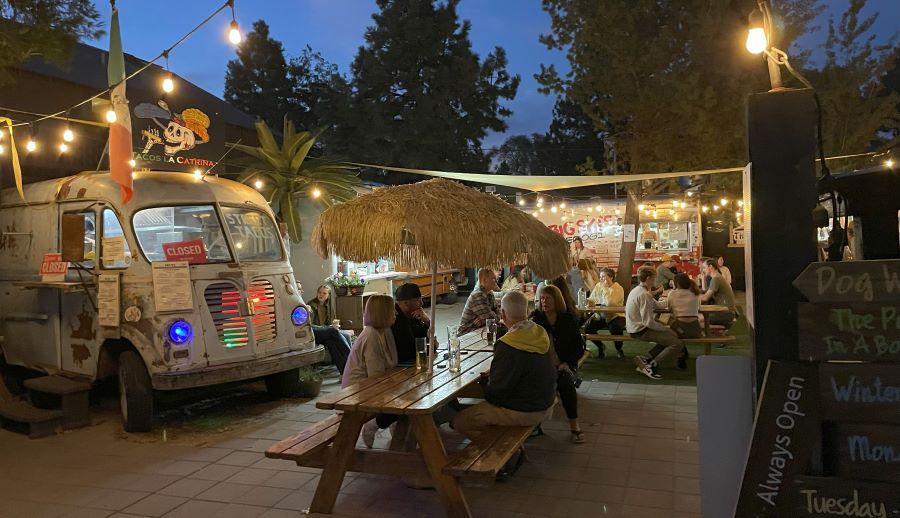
(373, 353)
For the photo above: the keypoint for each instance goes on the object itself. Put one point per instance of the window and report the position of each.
(112, 230)
(192, 232)
(253, 233)
(90, 239)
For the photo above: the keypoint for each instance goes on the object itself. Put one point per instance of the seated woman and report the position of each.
(335, 341)
(684, 303)
(607, 292)
(320, 307)
(563, 328)
(373, 354)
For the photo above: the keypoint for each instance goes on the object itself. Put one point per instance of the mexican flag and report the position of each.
(119, 131)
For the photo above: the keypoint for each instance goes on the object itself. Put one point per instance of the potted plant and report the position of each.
(347, 284)
(310, 381)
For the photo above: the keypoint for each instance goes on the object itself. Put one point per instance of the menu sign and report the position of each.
(849, 463)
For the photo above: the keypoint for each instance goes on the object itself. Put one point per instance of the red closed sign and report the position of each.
(192, 251)
(53, 268)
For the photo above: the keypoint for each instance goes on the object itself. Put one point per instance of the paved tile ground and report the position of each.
(640, 460)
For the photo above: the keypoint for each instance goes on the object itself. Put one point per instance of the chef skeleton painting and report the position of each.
(181, 131)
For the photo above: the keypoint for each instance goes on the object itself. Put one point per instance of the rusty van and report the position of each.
(186, 285)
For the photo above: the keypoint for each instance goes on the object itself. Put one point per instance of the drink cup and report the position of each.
(421, 353)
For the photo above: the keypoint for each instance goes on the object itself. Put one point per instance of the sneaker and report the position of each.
(649, 371)
(640, 361)
(620, 354)
(368, 433)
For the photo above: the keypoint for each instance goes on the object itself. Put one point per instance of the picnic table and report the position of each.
(417, 395)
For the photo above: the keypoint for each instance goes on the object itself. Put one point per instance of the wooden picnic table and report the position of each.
(411, 393)
(705, 309)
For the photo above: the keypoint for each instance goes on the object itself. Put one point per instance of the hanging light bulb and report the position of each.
(534, 214)
(654, 214)
(540, 200)
(647, 212)
(889, 163)
(316, 192)
(541, 209)
(234, 33)
(590, 209)
(68, 136)
(132, 163)
(671, 211)
(715, 207)
(562, 205)
(683, 205)
(553, 209)
(724, 201)
(756, 36)
(63, 147)
(258, 184)
(111, 116)
(690, 193)
(31, 145)
(705, 208)
(618, 212)
(168, 84)
(740, 203)
(198, 174)
(641, 206)
(521, 202)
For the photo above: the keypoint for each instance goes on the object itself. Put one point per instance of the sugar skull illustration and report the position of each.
(183, 131)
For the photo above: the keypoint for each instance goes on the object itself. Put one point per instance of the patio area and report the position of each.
(640, 460)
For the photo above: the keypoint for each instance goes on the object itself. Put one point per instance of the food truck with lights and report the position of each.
(667, 228)
(186, 285)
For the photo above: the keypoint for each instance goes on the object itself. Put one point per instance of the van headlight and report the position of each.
(300, 316)
(180, 332)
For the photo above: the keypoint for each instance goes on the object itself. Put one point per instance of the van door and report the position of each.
(78, 320)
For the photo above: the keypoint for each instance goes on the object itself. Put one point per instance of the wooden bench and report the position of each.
(307, 443)
(483, 458)
(707, 341)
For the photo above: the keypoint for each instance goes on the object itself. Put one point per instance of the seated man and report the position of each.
(607, 292)
(665, 275)
(481, 304)
(641, 323)
(335, 342)
(521, 386)
(719, 292)
(411, 323)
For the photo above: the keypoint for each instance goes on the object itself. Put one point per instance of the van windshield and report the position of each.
(189, 233)
(253, 233)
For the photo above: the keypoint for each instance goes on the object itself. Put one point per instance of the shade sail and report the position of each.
(439, 221)
(551, 183)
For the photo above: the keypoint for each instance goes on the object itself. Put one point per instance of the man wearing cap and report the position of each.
(665, 274)
(411, 323)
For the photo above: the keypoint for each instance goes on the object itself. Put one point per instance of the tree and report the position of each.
(858, 110)
(320, 93)
(257, 81)
(520, 155)
(45, 28)
(663, 78)
(287, 172)
(422, 97)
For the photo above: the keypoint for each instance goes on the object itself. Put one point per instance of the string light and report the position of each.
(132, 163)
(316, 192)
(715, 207)
(541, 209)
(553, 209)
(258, 184)
(737, 215)
(31, 145)
(564, 218)
(705, 208)
(641, 206)
(521, 202)
(889, 163)
(562, 205)
(68, 136)
(740, 203)
(534, 214)
(111, 116)
(198, 174)
(168, 84)
(63, 147)
(234, 33)
(590, 209)
(723, 201)
(540, 200)
(683, 205)
(618, 212)
(690, 193)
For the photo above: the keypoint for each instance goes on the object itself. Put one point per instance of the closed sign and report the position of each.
(192, 251)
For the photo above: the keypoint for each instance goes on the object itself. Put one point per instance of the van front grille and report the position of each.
(223, 300)
(261, 295)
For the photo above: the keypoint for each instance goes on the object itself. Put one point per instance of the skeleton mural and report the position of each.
(182, 132)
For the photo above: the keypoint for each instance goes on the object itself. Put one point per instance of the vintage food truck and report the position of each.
(186, 285)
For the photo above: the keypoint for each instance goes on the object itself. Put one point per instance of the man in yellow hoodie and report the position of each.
(521, 386)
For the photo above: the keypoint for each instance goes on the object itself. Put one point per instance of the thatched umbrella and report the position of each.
(439, 221)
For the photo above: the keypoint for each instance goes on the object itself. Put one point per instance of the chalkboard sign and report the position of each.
(850, 331)
(827, 497)
(851, 281)
(862, 392)
(784, 433)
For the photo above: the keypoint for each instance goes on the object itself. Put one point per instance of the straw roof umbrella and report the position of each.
(439, 221)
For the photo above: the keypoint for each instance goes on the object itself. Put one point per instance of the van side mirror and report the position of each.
(72, 229)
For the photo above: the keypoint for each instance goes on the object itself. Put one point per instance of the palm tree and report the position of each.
(288, 173)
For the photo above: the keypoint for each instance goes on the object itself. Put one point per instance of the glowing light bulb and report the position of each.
(540, 200)
(541, 209)
(671, 211)
(590, 209)
(168, 85)
(534, 214)
(618, 212)
(562, 205)
(690, 193)
(316, 192)
(565, 218)
(705, 208)
(63, 147)
(234, 33)
(647, 212)
(521, 202)
(683, 205)
(258, 184)
(737, 215)
(198, 174)
(553, 209)
(724, 201)
(110, 116)
(715, 207)
(641, 206)
(889, 163)
(599, 208)
(31, 145)
(68, 136)
(756, 40)
(239, 245)
(740, 203)
(132, 163)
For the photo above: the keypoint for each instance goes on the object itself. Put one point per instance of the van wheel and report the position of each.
(283, 384)
(135, 393)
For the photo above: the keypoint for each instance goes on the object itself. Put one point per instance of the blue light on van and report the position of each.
(300, 316)
(180, 332)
